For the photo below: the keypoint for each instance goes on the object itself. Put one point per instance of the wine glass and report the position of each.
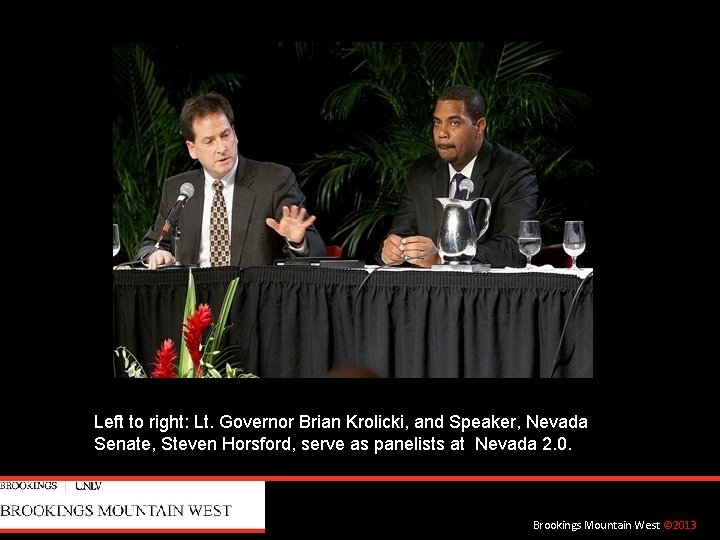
(574, 240)
(116, 239)
(529, 240)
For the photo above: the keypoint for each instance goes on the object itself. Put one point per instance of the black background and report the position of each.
(632, 432)
(652, 409)
(666, 433)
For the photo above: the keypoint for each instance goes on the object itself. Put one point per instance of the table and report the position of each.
(297, 321)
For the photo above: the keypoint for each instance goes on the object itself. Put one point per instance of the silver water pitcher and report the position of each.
(457, 239)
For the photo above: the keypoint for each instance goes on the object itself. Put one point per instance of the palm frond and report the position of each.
(360, 225)
(341, 101)
(228, 81)
(519, 59)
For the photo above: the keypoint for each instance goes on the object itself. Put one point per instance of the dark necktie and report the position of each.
(459, 177)
(219, 229)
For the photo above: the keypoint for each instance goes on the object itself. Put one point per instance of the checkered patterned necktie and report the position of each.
(219, 229)
(459, 177)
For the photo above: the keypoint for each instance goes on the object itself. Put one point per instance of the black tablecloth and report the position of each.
(291, 321)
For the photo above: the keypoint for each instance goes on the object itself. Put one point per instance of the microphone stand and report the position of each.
(176, 234)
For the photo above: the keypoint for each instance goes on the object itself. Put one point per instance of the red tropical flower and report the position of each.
(195, 326)
(165, 358)
(193, 329)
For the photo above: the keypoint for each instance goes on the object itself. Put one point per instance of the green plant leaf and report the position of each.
(185, 363)
(133, 368)
(212, 347)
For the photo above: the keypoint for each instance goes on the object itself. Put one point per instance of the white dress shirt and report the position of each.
(228, 190)
(467, 171)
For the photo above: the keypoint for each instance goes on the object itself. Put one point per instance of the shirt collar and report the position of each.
(227, 180)
(467, 170)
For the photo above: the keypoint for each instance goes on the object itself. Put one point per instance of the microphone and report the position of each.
(187, 190)
(466, 187)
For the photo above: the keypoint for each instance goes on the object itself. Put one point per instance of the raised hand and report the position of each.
(292, 224)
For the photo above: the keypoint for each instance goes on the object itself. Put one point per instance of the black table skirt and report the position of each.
(303, 322)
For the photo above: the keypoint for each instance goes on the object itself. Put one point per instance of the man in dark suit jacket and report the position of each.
(265, 206)
(504, 177)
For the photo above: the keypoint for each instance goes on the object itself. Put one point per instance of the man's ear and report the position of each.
(191, 149)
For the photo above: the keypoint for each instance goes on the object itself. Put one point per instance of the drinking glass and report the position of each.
(529, 240)
(116, 239)
(574, 240)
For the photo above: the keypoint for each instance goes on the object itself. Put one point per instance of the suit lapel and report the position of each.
(243, 201)
(482, 164)
(440, 184)
(192, 214)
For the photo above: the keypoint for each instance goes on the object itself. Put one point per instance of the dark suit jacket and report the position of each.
(504, 177)
(261, 190)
